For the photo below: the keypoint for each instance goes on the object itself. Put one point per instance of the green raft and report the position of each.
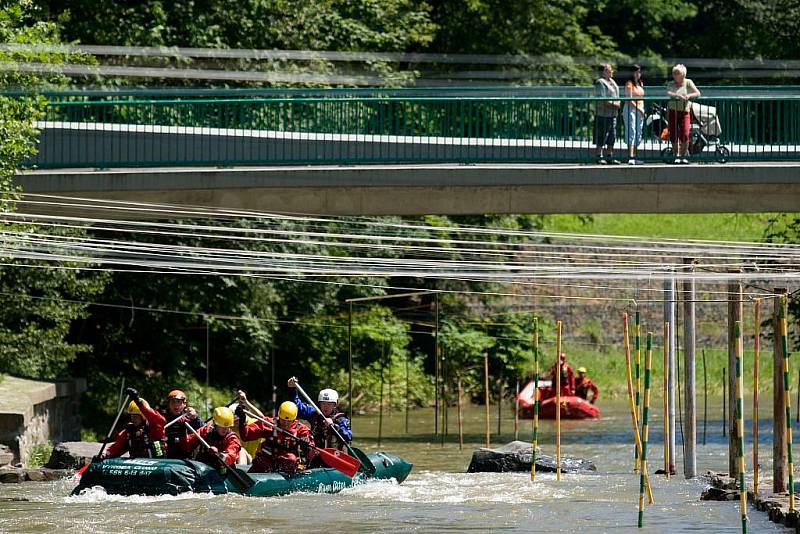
(148, 476)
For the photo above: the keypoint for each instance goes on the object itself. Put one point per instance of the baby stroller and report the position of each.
(704, 133)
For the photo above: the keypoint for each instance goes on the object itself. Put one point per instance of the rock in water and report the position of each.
(517, 457)
(72, 454)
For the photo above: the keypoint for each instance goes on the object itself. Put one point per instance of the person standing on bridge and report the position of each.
(680, 90)
(605, 120)
(633, 112)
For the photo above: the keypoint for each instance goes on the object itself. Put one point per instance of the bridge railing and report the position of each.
(125, 132)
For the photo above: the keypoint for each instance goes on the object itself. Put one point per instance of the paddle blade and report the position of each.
(80, 471)
(240, 479)
(366, 464)
(341, 461)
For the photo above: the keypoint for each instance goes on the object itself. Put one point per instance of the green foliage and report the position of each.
(40, 454)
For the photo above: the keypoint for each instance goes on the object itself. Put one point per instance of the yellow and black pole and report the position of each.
(740, 422)
(787, 400)
(535, 442)
(628, 374)
(645, 412)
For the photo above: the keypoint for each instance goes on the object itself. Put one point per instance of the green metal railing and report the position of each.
(92, 131)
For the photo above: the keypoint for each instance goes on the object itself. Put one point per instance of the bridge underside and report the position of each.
(439, 189)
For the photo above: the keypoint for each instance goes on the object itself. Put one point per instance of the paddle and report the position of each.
(80, 471)
(366, 463)
(238, 478)
(342, 462)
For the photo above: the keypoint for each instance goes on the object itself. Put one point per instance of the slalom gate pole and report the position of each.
(558, 400)
(666, 399)
(788, 400)
(756, 346)
(535, 442)
(645, 413)
(740, 422)
(634, 420)
(637, 332)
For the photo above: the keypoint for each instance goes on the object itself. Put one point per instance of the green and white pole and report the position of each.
(740, 422)
(638, 376)
(787, 400)
(535, 442)
(645, 413)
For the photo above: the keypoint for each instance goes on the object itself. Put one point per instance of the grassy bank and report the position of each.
(713, 226)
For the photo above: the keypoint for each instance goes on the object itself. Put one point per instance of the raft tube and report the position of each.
(151, 476)
(571, 407)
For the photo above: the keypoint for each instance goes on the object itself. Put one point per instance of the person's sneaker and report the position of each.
(685, 161)
(601, 161)
(677, 161)
(615, 162)
(632, 162)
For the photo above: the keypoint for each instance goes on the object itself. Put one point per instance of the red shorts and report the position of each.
(679, 125)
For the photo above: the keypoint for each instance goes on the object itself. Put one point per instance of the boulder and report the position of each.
(12, 476)
(35, 475)
(6, 456)
(72, 454)
(516, 457)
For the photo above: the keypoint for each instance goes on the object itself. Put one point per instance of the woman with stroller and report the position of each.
(680, 90)
(633, 112)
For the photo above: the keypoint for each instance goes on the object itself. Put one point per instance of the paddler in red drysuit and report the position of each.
(278, 451)
(220, 436)
(583, 385)
(567, 377)
(143, 437)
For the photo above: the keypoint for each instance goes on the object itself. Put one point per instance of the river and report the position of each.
(438, 495)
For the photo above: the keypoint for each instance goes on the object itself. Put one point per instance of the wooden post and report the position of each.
(666, 399)
(499, 407)
(380, 404)
(724, 400)
(778, 402)
(690, 430)
(350, 363)
(670, 316)
(645, 409)
(637, 332)
(535, 442)
(516, 413)
(705, 396)
(787, 400)
(740, 424)
(756, 347)
(486, 397)
(734, 315)
(436, 367)
(460, 416)
(408, 355)
(558, 400)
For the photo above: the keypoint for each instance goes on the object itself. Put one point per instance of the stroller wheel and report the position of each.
(722, 154)
(667, 155)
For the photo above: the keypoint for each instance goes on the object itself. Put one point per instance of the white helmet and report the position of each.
(328, 395)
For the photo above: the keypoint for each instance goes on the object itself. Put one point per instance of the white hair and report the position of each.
(679, 68)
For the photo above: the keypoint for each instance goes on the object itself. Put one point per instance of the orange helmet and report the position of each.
(176, 394)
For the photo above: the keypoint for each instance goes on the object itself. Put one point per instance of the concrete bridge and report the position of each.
(444, 189)
(410, 156)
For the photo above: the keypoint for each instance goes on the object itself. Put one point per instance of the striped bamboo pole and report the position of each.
(634, 419)
(756, 346)
(535, 396)
(558, 400)
(666, 399)
(637, 332)
(645, 412)
(740, 422)
(787, 400)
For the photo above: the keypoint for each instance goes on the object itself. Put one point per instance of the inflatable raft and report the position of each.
(149, 476)
(571, 407)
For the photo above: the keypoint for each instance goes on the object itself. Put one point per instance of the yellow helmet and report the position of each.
(582, 370)
(133, 409)
(223, 417)
(287, 411)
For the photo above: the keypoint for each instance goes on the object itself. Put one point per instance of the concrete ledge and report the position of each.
(444, 189)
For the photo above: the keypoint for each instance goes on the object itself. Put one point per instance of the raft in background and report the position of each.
(150, 476)
(572, 407)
